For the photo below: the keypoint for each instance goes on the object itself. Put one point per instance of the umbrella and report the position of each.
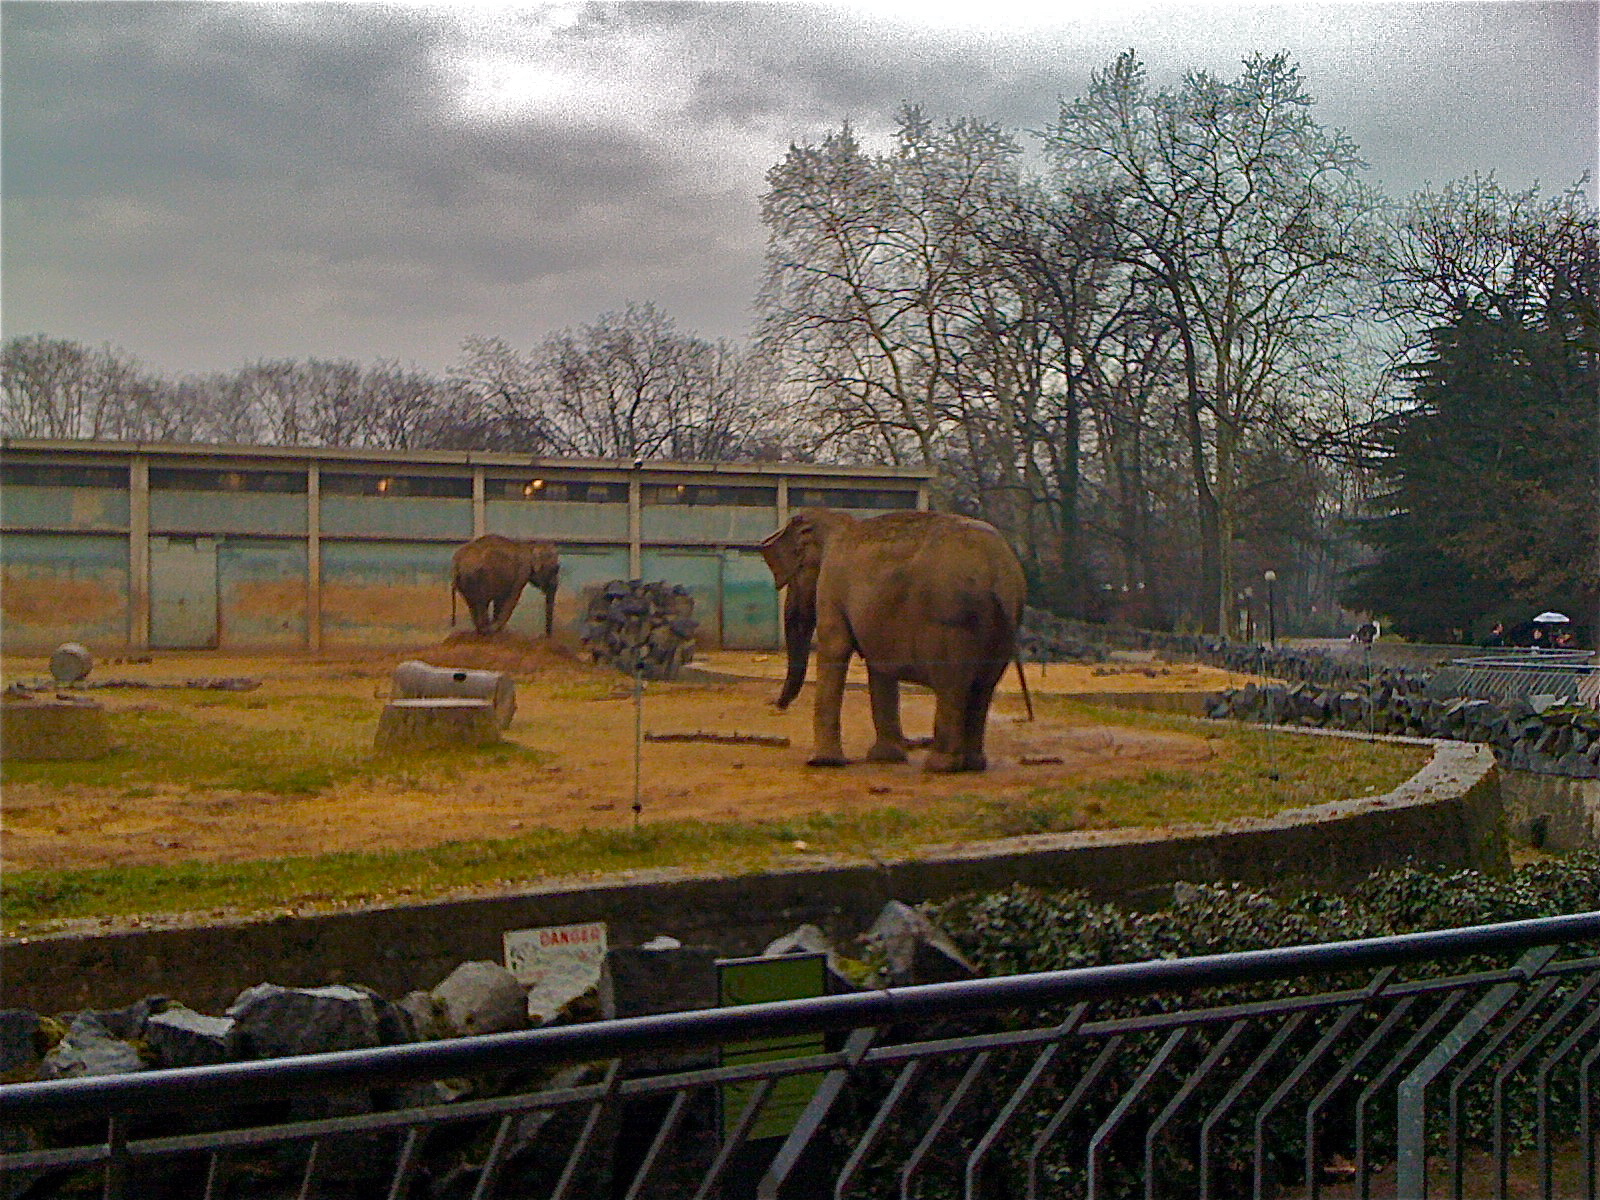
(1553, 618)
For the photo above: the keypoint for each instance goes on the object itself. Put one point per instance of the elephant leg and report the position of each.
(482, 618)
(827, 749)
(944, 755)
(503, 605)
(975, 719)
(891, 743)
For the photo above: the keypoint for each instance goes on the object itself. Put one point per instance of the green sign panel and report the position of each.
(758, 981)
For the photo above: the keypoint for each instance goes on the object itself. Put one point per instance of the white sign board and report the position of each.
(557, 963)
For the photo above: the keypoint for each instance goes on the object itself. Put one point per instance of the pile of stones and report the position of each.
(1527, 733)
(635, 625)
(270, 1021)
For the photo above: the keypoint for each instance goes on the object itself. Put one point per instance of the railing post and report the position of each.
(1411, 1102)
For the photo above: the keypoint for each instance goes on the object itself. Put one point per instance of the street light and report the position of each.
(1272, 616)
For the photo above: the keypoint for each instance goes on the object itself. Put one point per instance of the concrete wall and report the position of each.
(1448, 814)
(1552, 812)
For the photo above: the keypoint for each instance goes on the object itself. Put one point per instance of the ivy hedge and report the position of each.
(1026, 929)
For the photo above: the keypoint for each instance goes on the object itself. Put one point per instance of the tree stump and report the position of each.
(37, 729)
(435, 723)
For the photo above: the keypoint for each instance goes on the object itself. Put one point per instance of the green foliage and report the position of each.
(1026, 929)
(1488, 509)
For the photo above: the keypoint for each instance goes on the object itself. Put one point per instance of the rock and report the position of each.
(180, 1037)
(429, 1021)
(642, 981)
(482, 997)
(275, 1022)
(128, 1023)
(914, 949)
(90, 1049)
(22, 1044)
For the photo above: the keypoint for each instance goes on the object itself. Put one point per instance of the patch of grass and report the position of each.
(1248, 773)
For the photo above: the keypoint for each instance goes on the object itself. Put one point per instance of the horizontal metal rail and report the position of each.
(1222, 1075)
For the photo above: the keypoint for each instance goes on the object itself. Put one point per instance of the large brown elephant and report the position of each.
(490, 573)
(929, 598)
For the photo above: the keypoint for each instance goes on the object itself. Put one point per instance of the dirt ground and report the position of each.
(583, 722)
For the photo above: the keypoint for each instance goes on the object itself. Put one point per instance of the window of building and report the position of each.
(50, 475)
(733, 495)
(817, 497)
(438, 486)
(190, 479)
(570, 490)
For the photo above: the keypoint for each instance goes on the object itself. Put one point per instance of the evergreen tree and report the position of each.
(1488, 513)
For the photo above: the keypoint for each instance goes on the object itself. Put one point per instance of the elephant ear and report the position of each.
(788, 550)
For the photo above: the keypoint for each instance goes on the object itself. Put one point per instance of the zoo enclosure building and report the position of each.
(140, 546)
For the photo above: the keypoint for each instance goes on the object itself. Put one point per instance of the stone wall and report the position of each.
(1552, 813)
(1448, 814)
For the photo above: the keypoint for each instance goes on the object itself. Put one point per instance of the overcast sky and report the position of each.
(205, 185)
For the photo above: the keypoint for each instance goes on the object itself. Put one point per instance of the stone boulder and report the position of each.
(482, 997)
(270, 1021)
(914, 949)
(90, 1049)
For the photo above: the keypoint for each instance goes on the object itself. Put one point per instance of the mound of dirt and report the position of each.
(505, 651)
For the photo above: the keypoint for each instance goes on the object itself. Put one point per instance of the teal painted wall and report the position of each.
(86, 508)
(261, 592)
(385, 593)
(701, 572)
(584, 570)
(411, 516)
(717, 524)
(574, 520)
(750, 619)
(58, 588)
(227, 512)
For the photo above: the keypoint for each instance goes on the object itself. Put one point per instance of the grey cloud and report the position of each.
(207, 183)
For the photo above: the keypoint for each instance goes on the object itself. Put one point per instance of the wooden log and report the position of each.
(37, 729)
(723, 739)
(436, 723)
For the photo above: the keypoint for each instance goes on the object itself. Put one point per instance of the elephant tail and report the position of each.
(1022, 678)
(1016, 657)
(452, 602)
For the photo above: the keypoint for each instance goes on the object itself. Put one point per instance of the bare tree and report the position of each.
(1251, 219)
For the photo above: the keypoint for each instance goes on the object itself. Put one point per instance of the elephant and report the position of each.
(929, 598)
(490, 573)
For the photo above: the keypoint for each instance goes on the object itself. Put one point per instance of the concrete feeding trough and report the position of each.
(53, 728)
(435, 723)
(417, 680)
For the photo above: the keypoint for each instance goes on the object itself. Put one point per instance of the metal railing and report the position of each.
(1422, 1065)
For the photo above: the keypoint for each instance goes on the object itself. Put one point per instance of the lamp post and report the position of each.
(1272, 616)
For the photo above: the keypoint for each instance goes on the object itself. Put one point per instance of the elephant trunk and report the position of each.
(799, 623)
(549, 608)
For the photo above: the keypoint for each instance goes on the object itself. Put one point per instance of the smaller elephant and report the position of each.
(490, 573)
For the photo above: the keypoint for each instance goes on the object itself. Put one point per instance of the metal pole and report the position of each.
(638, 736)
(1272, 612)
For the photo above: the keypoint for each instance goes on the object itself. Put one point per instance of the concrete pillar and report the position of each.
(314, 558)
(635, 521)
(139, 553)
(480, 511)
